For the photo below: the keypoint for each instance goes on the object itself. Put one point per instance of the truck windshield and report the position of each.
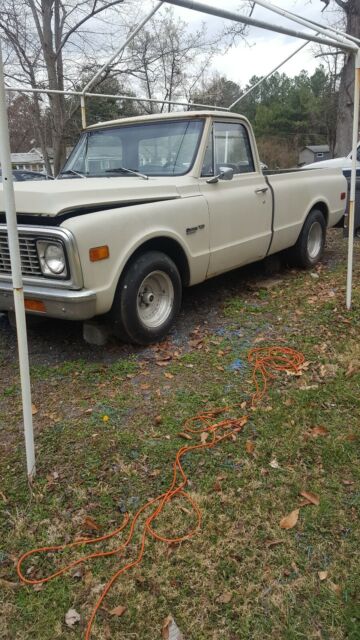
(153, 149)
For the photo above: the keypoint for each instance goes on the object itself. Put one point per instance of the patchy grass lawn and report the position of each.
(106, 436)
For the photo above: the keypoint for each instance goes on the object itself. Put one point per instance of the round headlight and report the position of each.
(54, 258)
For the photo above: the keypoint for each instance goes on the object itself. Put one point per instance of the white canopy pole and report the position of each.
(115, 96)
(351, 222)
(18, 291)
(339, 36)
(330, 39)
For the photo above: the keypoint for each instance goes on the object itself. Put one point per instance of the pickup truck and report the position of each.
(148, 205)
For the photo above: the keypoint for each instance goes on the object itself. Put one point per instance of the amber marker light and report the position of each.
(99, 253)
(34, 305)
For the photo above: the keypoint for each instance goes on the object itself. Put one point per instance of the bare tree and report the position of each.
(351, 12)
(169, 59)
(37, 33)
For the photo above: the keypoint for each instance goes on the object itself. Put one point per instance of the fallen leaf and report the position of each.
(169, 375)
(163, 363)
(34, 410)
(89, 523)
(170, 630)
(323, 575)
(155, 473)
(3, 497)
(184, 435)
(203, 437)
(274, 464)
(352, 368)
(145, 386)
(314, 432)
(304, 503)
(38, 587)
(72, 617)
(250, 447)
(334, 587)
(217, 486)
(118, 611)
(158, 419)
(273, 543)
(351, 437)
(311, 497)
(289, 521)
(224, 598)
(347, 482)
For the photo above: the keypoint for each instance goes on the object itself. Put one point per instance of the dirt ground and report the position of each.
(55, 341)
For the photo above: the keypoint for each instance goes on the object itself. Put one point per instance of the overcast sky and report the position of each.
(264, 49)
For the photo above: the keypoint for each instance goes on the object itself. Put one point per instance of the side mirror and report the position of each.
(226, 173)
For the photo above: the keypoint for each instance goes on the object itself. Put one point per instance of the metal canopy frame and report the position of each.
(318, 32)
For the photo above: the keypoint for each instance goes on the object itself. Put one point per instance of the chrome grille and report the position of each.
(30, 265)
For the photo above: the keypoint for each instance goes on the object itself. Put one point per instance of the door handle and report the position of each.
(262, 190)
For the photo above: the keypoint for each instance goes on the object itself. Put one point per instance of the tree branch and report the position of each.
(94, 12)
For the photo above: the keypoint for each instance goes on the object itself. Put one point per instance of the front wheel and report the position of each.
(310, 246)
(147, 299)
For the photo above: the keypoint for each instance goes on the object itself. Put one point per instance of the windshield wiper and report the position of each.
(72, 172)
(126, 170)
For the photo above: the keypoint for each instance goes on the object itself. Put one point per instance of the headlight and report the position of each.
(52, 258)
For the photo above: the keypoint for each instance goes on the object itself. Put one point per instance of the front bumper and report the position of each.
(59, 303)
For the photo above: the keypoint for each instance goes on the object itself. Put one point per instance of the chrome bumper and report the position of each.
(59, 303)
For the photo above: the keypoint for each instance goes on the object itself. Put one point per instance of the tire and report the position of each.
(310, 245)
(147, 299)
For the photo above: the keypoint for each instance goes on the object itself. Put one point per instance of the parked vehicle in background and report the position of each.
(20, 175)
(345, 165)
(147, 205)
(341, 163)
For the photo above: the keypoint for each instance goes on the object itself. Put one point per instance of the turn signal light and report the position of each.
(343, 195)
(99, 253)
(34, 305)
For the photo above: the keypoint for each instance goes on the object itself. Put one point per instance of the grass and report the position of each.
(107, 434)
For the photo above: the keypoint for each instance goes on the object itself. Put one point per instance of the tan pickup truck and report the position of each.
(145, 206)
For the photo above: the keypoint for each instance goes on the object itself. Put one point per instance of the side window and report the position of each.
(232, 148)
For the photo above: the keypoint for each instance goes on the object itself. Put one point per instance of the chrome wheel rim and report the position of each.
(315, 238)
(155, 299)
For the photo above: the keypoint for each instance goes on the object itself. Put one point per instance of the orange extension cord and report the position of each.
(266, 362)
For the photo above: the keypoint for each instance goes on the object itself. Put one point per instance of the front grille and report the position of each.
(30, 265)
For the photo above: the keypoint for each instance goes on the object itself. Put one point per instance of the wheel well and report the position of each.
(321, 206)
(172, 249)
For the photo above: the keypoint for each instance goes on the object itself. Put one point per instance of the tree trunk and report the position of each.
(346, 90)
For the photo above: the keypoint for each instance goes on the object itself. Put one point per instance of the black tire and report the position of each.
(147, 299)
(309, 248)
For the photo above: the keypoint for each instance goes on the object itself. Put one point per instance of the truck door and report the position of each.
(240, 208)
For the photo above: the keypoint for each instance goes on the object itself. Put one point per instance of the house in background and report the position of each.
(32, 160)
(314, 153)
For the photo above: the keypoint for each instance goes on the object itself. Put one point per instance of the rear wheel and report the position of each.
(310, 246)
(147, 299)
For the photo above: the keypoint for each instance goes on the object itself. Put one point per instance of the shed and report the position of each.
(314, 153)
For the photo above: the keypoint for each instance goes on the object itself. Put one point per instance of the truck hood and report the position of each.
(55, 197)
